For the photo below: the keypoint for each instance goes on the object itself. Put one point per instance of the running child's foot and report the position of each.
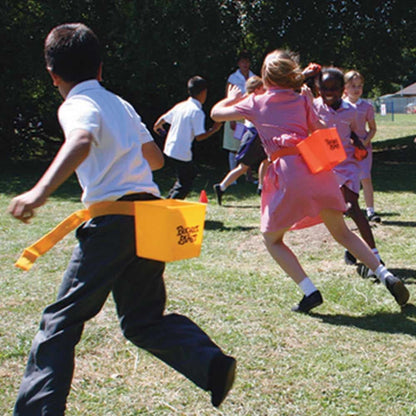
(309, 302)
(218, 193)
(349, 258)
(366, 272)
(221, 377)
(374, 217)
(397, 288)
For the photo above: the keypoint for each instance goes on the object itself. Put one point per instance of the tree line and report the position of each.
(150, 49)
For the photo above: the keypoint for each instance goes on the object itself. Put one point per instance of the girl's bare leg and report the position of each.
(283, 255)
(233, 175)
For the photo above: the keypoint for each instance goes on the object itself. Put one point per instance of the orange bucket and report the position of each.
(169, 229)
(322, 150)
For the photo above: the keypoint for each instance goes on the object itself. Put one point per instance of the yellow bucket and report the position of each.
(169, 229)
(322, 150)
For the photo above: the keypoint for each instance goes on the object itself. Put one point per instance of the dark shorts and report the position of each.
(251, 150)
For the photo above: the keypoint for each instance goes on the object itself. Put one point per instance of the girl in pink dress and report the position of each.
(354, 83)
(292, 196)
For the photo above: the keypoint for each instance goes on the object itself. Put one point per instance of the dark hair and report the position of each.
(72, 51)
(333, 72)
(196, 85)
(244, 54)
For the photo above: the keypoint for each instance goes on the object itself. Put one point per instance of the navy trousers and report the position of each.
(104, 262)
(185, 175)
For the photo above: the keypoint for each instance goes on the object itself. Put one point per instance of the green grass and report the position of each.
(356, 355)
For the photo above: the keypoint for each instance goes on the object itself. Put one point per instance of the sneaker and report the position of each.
(397, 288)
(349, 258)
(259, 191)
(309, 302)
(364, 271)
(219, 193)
(221, 377)
(374, 217)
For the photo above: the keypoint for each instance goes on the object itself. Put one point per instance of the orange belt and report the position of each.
(286, 151)
(30, 254)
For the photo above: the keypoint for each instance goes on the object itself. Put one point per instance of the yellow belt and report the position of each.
(30, 254)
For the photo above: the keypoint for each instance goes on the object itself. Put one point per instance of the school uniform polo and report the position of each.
(187, 120)
(115, 165)
(237, 78)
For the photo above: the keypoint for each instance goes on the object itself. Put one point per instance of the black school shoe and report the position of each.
(218, 193)
(221, 377)
(309, 302)
(397, 288)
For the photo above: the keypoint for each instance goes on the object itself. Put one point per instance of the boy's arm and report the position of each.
(71, 154)
(213, 129)
(158, 126)
(153, 155)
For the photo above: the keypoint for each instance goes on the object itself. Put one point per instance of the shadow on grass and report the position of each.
(401, 223)
(391, 323)
(219, 226)
(408, 275)
(241, 206)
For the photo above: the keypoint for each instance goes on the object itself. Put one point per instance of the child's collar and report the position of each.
(82, 86)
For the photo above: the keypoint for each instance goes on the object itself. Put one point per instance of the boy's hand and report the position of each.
(216, 126)
(22, 206)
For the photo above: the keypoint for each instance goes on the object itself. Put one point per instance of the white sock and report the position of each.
(375, 251)
(307, 286)
(370, 211)
(223, 187)
(382, 273)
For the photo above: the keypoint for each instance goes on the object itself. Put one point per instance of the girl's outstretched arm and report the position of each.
(224, 110)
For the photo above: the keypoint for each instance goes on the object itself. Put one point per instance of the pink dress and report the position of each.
(365, 113)
(345, 120)
(292, 196)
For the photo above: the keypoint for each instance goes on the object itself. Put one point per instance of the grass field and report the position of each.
(355, 355)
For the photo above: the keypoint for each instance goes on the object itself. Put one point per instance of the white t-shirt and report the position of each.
(115, 165)
(237, 78)
(186, 120)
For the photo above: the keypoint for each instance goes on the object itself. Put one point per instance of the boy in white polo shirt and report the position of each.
(112, 153)
(187, 123)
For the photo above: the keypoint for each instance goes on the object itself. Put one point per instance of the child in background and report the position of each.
(238, 78)
(187, 120)
(336, 112)
(292, 196)
(253, 150)
(354, 83)
(107, 145)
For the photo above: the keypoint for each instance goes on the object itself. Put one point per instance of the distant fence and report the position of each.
(395, 105)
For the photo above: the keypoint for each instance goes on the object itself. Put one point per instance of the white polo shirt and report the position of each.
(237, 78)
(187, 120)
(115, 165)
